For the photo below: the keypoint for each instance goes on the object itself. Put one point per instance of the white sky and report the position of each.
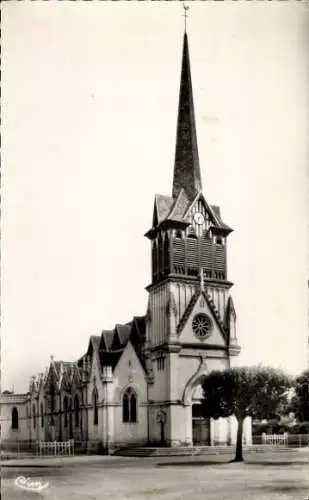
(89, 107)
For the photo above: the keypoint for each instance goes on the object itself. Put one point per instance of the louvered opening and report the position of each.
(179, 253)
(192, 253)
(206, 253)
(219, 258)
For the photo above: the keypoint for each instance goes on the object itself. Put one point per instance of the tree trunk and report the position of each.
(239, 456)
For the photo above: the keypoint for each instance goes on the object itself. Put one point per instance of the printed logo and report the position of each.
(28, 484)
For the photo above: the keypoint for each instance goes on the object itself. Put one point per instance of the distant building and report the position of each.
(141, 382)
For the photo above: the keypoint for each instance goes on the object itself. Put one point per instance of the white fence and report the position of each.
(274, 439)
(55, 448)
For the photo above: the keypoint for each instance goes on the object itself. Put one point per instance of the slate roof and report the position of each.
(177, 209)
(111, 343)
(124, 332)
(187, 174)
(163, 205)
(187, 181)
(106, 339)
(95, 339)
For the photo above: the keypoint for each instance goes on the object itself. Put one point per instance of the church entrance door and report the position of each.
(161, 420)
(200, 427)
(162, 433)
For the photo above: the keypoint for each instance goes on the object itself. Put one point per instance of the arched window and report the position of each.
(52, 420)
(178, 234)
(192, 235)
(65, 410)
(129, 406)
(34, 416)
(95, 407)
(76, 409)
(42, 415)
(14, 418)
(166, 254)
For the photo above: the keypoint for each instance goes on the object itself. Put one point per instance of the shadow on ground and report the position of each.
(190, 463)
(216, 462)
(281, 488)
(30, 466)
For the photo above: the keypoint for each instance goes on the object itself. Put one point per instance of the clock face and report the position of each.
(198, 218)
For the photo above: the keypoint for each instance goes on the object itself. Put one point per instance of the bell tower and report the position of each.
(190, 311)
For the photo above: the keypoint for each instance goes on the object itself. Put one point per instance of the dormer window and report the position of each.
(219, 240)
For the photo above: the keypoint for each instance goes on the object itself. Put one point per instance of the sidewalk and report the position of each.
(36, 461)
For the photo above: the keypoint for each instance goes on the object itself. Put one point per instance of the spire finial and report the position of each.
(185, 8)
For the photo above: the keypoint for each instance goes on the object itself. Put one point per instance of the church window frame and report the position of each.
(42, 414)
(192, 235)
(219, 241)
(14, 418)
(160, 363)
(53, 405)
(76, 410)
(34, 416)
(178, 234)
(95, 406)
(202, 326)
(129, 406)
(65, 411)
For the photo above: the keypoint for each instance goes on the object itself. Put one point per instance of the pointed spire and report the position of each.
(187, 173)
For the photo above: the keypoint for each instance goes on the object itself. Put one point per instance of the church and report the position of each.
(140, 383)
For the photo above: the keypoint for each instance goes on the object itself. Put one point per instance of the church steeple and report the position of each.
(187, 175)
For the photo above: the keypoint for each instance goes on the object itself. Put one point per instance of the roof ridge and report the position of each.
(187, 312)
(215, 311)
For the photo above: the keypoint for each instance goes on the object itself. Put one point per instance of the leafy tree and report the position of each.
(300, 401)
(248, 391)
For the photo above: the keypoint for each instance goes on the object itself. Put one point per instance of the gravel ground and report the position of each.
(261, 477)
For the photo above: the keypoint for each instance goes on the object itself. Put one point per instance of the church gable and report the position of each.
(201, 324)
(130, 372)
(52, 377)
(203, 216)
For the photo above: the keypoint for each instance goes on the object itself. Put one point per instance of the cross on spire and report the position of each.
(185, 14)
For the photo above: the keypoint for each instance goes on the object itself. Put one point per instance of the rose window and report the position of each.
(202, 325)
